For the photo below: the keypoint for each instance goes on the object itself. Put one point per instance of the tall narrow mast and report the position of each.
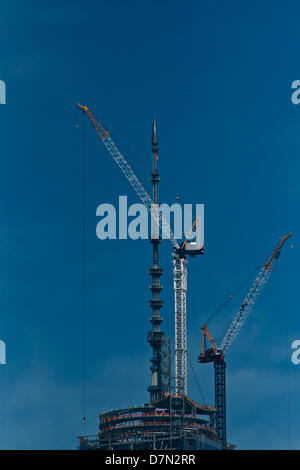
(155, 336)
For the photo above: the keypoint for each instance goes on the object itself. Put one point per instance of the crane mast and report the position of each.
(180, 289)
(179, 253)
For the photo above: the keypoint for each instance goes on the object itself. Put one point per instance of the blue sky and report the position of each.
(218, 75)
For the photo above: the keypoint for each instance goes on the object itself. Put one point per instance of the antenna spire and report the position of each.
(154, 136)
(156, 338)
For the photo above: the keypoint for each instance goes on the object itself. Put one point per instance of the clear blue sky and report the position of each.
(218, 75)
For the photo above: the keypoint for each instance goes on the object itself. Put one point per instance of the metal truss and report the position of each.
(131, 177)
(180, 288)
(252, 296)
(220, 400)
(245, 309)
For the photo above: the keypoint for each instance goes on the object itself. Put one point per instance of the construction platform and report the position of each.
(173, 422)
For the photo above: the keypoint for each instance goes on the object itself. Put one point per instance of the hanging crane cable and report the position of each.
(228, 299)
(83, 189)
(288, 352)
(196, 380)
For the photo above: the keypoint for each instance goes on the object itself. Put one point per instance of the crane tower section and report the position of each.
(180, 289)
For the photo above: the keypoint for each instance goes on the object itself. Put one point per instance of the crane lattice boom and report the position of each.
(131, 177)
(252, 296)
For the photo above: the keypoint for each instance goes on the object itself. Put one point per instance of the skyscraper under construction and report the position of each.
(170, 420)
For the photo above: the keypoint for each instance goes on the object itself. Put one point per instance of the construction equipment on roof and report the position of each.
(217, 355)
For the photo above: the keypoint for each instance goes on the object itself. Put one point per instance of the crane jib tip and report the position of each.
(83, 108)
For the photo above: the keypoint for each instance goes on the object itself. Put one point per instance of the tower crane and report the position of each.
(217, 355)
(180, 252)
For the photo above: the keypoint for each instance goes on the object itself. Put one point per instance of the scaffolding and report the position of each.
(172, 422)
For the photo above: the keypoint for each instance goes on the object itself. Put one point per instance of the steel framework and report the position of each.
(180, 289)
(171, 422)
(220, 400)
